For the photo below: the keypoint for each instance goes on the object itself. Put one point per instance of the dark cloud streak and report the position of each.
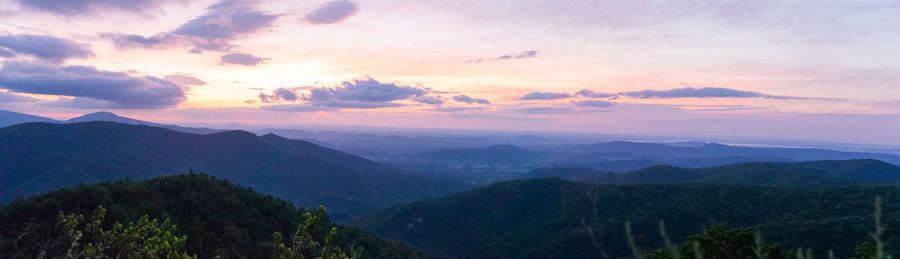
(104, 88)
(242, 59)
(544, 96)
(469, 100)
(332, 12)
(44, 47)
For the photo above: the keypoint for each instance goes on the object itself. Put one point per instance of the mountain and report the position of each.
(219, 218)
(112, 117)
(8, 118)
(568, 173)
(491, 154)
(814, 173)
(39, 157)
(553, 218)
(667, 153)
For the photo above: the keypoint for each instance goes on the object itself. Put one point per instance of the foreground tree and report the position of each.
(146, 238)
(306, 246)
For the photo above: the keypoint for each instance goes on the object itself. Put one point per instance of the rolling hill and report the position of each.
(112, 117)
(675, 154)
(8, 118)
(39, 157)
(811, 174)
(552, 218)
(219, 218)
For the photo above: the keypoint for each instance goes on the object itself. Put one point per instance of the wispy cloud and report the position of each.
(365, 90)
(520, 55)
(545, 96)
(89, 7)
(105, 88)
(43, 47)
(242, 59)
(184, 79)
(223, 22)
(592, 94)
(14, 98)
(332, 12)
(705, 92)
(469, 100)
(593, 103)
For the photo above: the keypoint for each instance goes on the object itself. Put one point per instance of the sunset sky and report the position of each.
(811, 70)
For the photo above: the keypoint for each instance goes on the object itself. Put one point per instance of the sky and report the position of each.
(804, 70)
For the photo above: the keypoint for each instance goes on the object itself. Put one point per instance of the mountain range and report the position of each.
(40, 157)
(783, 174)
(8, 118)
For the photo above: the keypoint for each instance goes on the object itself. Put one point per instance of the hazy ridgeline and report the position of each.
(418, 190)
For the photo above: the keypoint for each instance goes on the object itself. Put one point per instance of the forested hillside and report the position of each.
(44, 156)
(217, 217)
(782, 174)
(553, 218)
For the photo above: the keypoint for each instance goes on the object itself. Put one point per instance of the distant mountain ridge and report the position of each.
(8, 118)
(39, 157)
(494, 153)
(715, 150)
(112, 117)
(783, 174)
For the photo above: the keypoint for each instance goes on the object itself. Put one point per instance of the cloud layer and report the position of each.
(85, 7)
(184, 79)
(544, 96)
(43, 47)
(14, 98)
(469, 100)
(215, 30)
(365, 93)
(242, 59)
(365, 90)
(332, 12)
(105, 89)
(705, 92)
(520, 55)
(593, 103)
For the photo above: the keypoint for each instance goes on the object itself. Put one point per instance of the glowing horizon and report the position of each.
(796, 69)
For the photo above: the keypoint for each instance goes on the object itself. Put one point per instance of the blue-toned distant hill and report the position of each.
(111, 117)
(695, 155)
(8, 118)
(814, 173)
(39, 157)
(491, 154)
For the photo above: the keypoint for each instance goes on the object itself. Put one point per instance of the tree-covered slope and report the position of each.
(553, 218)
(810, 174)
(219, 218)
(40, 157)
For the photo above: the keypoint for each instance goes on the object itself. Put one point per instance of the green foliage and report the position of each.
(218, 218)
(865, 251)
(306, 246)
(144, 239)
(548, 218)
(721, 241)
(801, 174)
